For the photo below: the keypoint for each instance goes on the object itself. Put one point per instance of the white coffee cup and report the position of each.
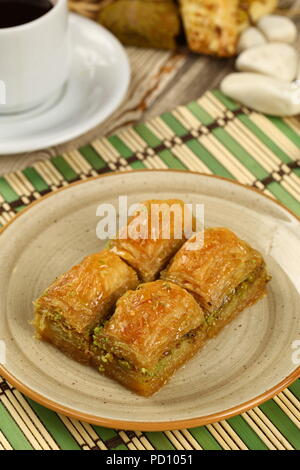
(34, 60)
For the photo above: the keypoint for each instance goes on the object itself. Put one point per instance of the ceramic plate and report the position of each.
(248, 362)
(98, 82)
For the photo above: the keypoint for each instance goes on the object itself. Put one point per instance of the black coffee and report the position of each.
(17, 12)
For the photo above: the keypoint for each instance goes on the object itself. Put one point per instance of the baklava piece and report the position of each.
(79, 300)
(154, 330)
(213, 26)
(152, 236)
(225, 275)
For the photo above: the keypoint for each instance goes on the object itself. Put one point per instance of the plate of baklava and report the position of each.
(144, 327)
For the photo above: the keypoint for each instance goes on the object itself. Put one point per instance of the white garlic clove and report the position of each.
(278, 28)
(251, 37)
(278, 60)
(264, 94)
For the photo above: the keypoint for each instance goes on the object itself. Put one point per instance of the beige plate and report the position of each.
(250, 360)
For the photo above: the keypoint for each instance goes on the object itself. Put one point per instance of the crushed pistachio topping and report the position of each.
(57, 317)
(102, 263)
(108, 357)
(124, 364)
(98, 329)
(166, 285)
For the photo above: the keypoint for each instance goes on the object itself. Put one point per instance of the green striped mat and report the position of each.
(212, 135)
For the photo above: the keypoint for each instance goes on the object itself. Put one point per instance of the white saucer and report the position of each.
(98, 82)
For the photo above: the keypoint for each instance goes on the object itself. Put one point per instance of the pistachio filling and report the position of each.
(236, 293)
(107, 357)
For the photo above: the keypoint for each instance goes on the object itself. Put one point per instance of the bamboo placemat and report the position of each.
(212, 135)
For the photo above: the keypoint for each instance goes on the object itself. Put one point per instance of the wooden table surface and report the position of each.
(161, 80)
